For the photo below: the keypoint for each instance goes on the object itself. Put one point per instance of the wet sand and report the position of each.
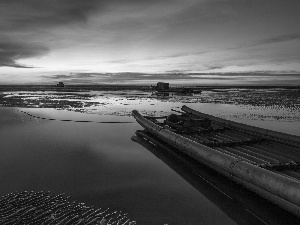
(44, 208)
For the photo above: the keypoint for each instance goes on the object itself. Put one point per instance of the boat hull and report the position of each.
(281, 190)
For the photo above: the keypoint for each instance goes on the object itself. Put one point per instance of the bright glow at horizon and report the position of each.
(77, 41)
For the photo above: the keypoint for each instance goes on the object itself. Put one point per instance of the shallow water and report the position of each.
(100, 165)
(95, 161)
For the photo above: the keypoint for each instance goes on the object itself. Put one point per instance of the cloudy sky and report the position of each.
(143, 41)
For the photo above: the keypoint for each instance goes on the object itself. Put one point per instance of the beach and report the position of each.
(79, 143)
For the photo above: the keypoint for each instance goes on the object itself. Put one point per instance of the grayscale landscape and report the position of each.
(72, 73)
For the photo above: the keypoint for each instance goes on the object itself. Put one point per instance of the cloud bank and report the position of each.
(147, 37)
(10, 51)
(178, 78)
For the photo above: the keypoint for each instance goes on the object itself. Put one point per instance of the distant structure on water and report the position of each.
(60, 84)
(162, 86)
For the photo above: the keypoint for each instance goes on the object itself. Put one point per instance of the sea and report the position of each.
(78, 140)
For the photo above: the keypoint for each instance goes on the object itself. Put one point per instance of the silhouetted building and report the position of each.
(162, 86)
(60, 84)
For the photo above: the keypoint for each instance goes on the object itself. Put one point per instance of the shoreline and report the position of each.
(104, 87)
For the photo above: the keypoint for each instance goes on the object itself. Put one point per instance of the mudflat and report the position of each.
(79, 143)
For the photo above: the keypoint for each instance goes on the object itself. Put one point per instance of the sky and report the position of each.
(254, 42)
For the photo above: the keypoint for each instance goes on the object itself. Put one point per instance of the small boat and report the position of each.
(264, 161)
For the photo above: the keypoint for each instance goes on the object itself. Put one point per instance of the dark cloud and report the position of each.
(46, 13)
(19, 20)
(256, 73)
(268, 41)
(129, 24)
(9, 52)
(72, 77)
(148, 34)
(24, 19)
(178, 71)
(178, 55)
(277, 39)
(149, 58)
(57, 77)
(110, 78)
(35, 14)
(215, 67)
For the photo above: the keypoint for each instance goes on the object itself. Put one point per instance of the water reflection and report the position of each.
(91, 157)
(238, 203)
(96, 163)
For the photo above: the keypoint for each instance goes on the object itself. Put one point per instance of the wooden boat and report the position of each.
(238, 203)
(264, 161)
